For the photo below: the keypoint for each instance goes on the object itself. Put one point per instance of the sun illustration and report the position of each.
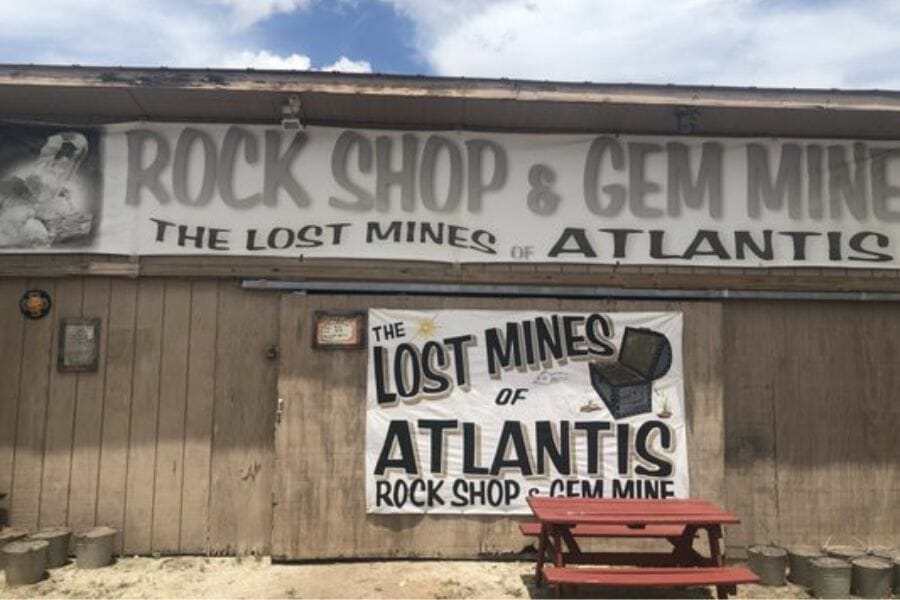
(427, 327)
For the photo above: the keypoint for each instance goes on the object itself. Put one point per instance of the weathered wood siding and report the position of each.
(170, 441)
(324, 269)
(320, 493)
(812, 408)
(792, 414)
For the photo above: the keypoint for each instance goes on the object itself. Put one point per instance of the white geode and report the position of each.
(36, 208)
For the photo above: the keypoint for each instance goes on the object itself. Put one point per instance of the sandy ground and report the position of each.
(199, 577)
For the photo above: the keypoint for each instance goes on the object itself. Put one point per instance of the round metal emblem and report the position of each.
(35, 304)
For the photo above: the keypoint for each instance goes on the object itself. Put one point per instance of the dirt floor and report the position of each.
(199, 577)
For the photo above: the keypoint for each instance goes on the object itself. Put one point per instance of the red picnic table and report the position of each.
(563, 520)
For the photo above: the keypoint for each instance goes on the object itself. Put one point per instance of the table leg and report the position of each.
(715, 548)
(556, 546)
(563, 541)
(558, 532)
(717, 554)
(572, 546)
(542, 550)
(683, 548)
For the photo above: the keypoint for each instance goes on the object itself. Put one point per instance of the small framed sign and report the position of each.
(339, 330)
(79, 344)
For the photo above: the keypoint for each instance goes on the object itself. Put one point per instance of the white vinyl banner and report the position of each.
(472, 411)
(191, 189)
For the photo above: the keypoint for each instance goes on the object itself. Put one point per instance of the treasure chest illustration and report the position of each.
(626, 385)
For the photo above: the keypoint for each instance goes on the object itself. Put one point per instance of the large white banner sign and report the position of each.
(472, 411)
(182, 189)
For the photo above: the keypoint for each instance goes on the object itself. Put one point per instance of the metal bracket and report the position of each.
(279, 411)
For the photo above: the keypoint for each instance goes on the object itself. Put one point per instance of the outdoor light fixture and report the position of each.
(290, 114)
(686, 120)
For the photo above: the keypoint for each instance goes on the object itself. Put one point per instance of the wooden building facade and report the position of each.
(196, 432)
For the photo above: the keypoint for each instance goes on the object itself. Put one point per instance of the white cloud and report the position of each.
(347, 65)
(248, 12)
(786, 43)
(263, 59)
(123, 32)
(173, 33)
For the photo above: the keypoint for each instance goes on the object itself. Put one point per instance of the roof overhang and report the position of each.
(115, 94)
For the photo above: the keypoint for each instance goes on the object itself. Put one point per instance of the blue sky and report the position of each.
(783, 43)
(371, 31)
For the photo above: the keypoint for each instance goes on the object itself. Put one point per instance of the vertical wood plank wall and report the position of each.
(320, 491)
(792, 411)
(168, 439)
(812, 409)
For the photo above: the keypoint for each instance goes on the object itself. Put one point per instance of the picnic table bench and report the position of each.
(532, 528)
(650, 576)
(562, 520)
